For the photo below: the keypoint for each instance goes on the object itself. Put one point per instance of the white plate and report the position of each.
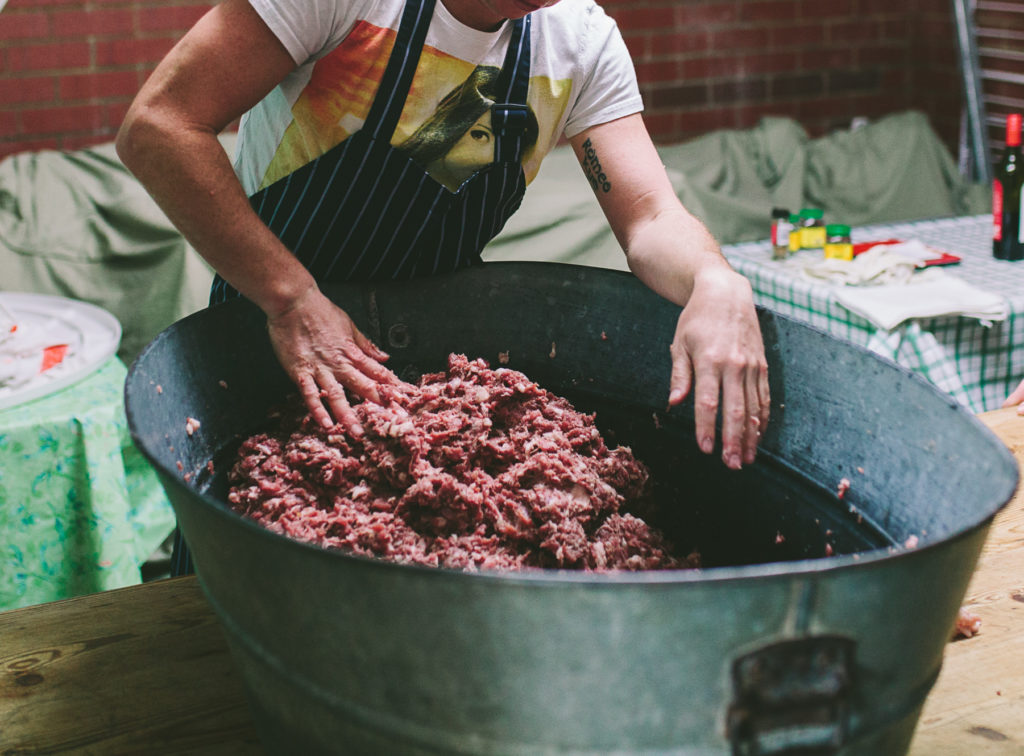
(92, 333)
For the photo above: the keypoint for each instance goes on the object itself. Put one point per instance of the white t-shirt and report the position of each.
(581, 75)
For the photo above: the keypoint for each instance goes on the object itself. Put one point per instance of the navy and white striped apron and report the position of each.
(365, 211)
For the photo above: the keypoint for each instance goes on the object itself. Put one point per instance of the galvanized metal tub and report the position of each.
(770, 649)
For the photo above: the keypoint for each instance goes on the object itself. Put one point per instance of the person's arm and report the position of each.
(221, 68)
(717, 350)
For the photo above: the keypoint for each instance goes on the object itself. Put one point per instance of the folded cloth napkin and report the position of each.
(928, 294)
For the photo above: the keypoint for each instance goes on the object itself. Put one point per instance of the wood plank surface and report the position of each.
(140, 670)
(146, 669)
(977, 706)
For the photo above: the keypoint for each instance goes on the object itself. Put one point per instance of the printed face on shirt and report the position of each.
(473, 151)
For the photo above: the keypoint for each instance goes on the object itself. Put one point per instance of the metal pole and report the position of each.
(969, 70)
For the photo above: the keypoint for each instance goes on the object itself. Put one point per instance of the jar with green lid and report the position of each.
(812, 228)
(795, 233)
(838, 245)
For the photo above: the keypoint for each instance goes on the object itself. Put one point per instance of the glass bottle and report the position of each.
(1007, 234)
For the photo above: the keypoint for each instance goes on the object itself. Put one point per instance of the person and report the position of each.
(327, 91)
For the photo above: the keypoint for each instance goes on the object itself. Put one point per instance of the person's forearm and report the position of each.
(189, 175)
(672, 252)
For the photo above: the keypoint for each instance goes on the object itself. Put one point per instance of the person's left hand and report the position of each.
(718, 352)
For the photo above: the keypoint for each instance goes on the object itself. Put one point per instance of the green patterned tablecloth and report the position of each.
(80, 508)
(977, 363)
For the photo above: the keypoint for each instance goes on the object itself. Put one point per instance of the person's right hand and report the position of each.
(324, 354)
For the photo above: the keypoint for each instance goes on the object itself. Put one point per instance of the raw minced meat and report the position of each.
(473, 468)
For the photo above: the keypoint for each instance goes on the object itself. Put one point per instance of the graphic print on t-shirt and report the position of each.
(445, 124)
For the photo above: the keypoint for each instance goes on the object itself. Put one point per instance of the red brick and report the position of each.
(49, 57)
(91, 140)
(735, 38)
(803, 35)
(712, 68)
(99, 86)
(827, 9)
(696, 41)
(826, 58)
(802, 85)
(61, 120)
(769, 62)
(34, 5)
(657, 72)
(864, 31)
(677, 95)
(36, 89)
(116, 112)
(24, 26)
(705, 14)
(783, 11)
(100, 23)
(647, 18)
(132, 51)
(173, 18)
(9, 124)
(842, 82)
(746, 89)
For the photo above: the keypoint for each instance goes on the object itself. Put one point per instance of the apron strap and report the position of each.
(405, 56)
(510, 119)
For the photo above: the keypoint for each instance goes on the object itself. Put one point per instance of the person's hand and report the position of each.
(1017, 397)
(718, 352)
(324, 354)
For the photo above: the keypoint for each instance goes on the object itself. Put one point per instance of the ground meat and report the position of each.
(473, 469)
(968, 624)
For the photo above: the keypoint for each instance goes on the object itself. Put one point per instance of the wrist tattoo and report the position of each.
(592, 169)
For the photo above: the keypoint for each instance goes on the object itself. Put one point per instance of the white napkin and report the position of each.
(930, 293)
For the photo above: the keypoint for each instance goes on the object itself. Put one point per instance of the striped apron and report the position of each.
(365, 211)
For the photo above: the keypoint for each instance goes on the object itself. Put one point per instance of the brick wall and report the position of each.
(70, 67)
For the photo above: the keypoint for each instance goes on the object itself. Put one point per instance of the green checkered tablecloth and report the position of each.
(977, 363)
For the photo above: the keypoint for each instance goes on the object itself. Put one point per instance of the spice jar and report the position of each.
(838, 245)
(812, 228)
(780, 232)
(794, 233)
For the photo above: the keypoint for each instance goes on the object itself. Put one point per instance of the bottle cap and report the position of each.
(780, 212)
(837, 229)
(1013, 121)
(812, 212)
(794, 218)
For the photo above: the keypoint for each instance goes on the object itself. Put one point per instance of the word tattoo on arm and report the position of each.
(592, 169)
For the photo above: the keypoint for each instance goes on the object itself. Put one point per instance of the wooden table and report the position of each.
(146, 670)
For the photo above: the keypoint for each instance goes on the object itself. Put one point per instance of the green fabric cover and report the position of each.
(77, 224)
